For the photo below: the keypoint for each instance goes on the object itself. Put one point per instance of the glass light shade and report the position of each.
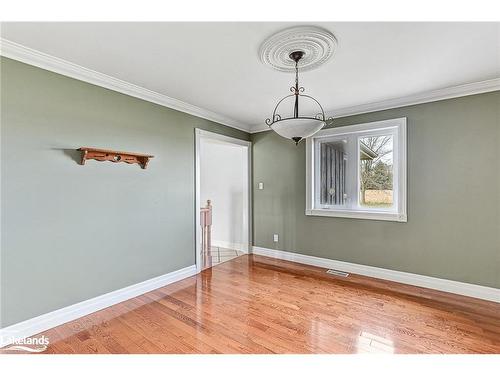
(297, 128)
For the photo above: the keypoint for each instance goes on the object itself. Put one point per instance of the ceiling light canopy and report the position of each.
(308, 47)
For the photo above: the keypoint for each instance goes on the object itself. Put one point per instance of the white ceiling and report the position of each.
(215, 66)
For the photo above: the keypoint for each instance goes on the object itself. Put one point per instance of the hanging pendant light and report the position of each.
(297, 127)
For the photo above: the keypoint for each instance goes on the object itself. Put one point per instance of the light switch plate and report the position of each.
(275, 237)
(261, 186)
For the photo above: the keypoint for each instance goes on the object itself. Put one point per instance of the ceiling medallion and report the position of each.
(298, 126)
(317, 44)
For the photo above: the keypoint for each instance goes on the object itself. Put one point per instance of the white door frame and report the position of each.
(204, 134)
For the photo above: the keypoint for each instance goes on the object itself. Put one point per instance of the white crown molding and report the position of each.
(259, 128)
(426, 97)
(33, 57)
(54, 64)
(55, 318)
(444, 285)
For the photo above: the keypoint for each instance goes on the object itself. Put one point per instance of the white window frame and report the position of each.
(396, 127)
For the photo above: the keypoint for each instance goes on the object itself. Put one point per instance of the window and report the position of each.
(358, 171)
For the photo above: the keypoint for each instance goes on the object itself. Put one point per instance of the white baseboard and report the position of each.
(230, 245)
(55, 318)
(450, 286)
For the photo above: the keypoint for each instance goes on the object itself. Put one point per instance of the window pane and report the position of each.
(333, 163)
(376, 171)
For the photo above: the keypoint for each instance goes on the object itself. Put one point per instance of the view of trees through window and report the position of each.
(376, 171)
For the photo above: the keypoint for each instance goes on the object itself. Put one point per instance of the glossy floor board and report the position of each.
(254, 304)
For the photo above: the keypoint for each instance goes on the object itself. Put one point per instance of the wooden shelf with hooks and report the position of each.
(114, 156)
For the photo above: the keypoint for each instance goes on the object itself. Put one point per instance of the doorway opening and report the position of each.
(223, 198)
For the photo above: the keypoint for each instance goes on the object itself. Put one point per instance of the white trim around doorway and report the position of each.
(200, 134)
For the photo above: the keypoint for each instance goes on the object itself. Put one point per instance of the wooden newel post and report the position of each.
(206, 235)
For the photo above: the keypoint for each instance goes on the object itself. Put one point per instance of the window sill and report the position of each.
(370, 215)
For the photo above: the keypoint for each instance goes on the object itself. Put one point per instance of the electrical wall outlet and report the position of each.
(261, 186)
(275, 237)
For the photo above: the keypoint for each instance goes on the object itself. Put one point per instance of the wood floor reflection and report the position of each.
(254, 304)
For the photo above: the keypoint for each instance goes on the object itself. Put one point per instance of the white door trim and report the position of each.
(200, 134)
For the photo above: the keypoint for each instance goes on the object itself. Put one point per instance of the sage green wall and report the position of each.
(72, 232)
(453, 228)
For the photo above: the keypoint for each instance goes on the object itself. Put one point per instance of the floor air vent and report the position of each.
(337, 273)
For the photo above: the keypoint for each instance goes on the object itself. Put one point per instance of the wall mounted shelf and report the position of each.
(114, 156)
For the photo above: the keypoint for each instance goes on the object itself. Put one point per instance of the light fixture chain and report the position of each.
(296, 77)
(296, 107)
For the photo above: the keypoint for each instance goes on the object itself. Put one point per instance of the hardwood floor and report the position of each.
(254, 304)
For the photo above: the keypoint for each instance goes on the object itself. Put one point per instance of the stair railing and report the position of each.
(206, 235)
